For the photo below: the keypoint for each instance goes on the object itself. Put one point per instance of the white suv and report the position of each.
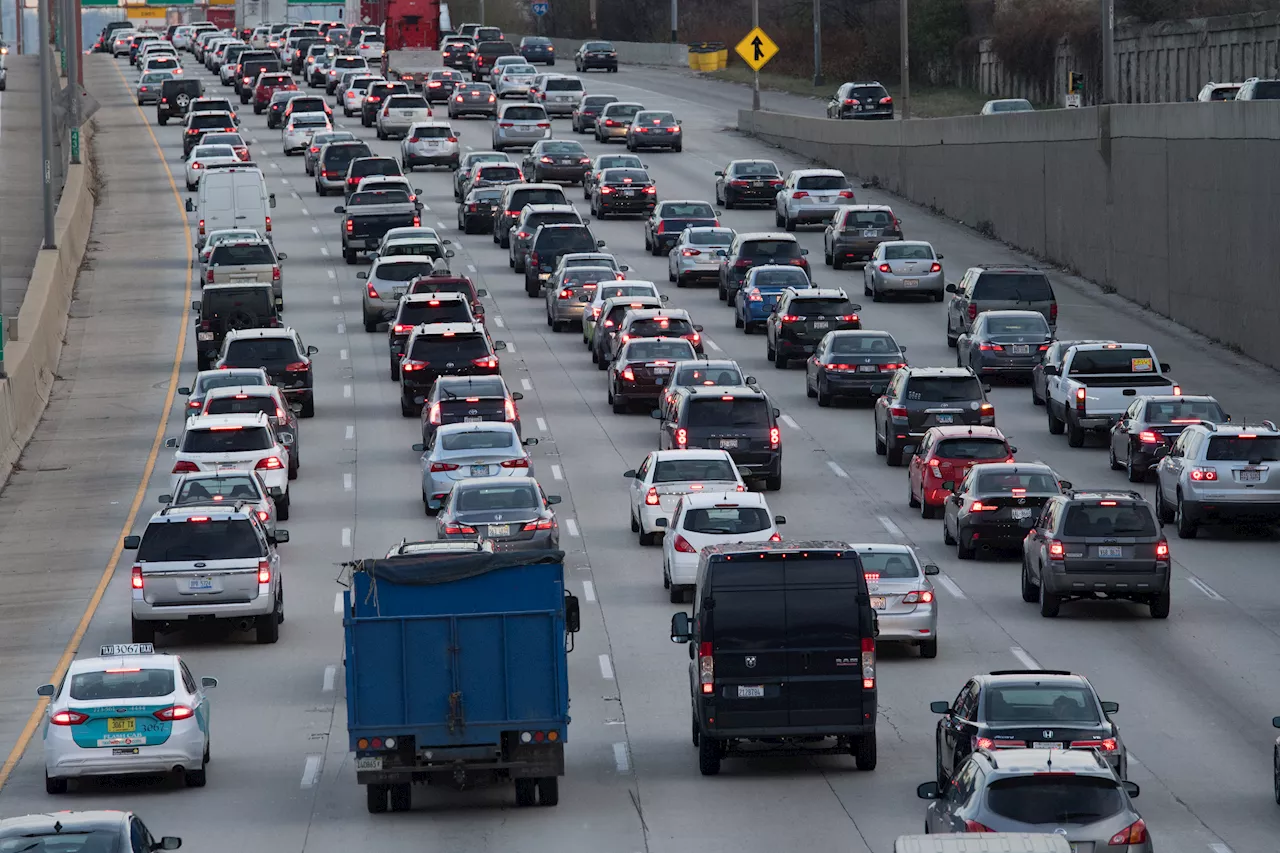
(246, 442)
(701, 519)
(1219, 472)
(665, 475)
(206, 562)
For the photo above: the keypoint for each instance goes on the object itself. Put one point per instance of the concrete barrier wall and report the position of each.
(1172, 205)
(32, 360)
(629, 52)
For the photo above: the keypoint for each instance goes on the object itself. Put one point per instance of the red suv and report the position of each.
(268, 83)
(945, 455)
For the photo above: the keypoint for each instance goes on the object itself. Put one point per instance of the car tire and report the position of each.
(709, 754)
(349, 255)
(370, 324)
(55, 785)
(1056, 427)
(675, 594)
(738, 322)
(142, 632)
(1049, 603)
(777, 218)
(780, 360)
(951, 338)
(826, 256)
(1030, 592)
(881, 448)
(947, 538)
(1163, 513)
(863, 750)
(1135, 475)
(1187, 527)
(647, 539)
(195, 778)
(929, 648)
(911, 496)
(308, 408)
(937, 297)
(1075, 432)
(789, 224)
(892, 456)
(376, 798)
(163, 120)
(282, 507)
(548, 790)
(1160, 604)
(773, 483)
(837, 263)
(294, 465)
(1036, 399)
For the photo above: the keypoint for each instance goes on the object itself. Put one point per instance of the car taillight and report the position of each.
(271, 463)
(437, 467)
(897, 411)
(973, 312)
(1134, 833)
(987, 347)
(488, 361)
(1204, 474)
(974, 826)
(987, 410)
(298, 367)
(208, 276)
(458, 528)
(1162, 550)
(565, 294)
(1053, 312)
(937, 267)
(979, 506)
(509, 410)
(263, 516)
(174, 712)
(1056, 551)
(651, 190)
(800, 194)
(848, 318)
(542, 524)
(775, 437)
(275, 273)
(136, 577)
(1106, 744)
(201, 227)
(369, 288)
(846, 194)
(682, 438)
(516, 463)
(68, 718)
(1149, 437)
(184, 467)
(264, 569)
(868, 663)
(682, 545)
(919, 596)
(417, 220)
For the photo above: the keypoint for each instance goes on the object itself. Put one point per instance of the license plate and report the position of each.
(1021, 349)
(820, 324)
(754, 691)
(204, 336)
(663, 371)
(433, 143)
(944, 419)
(629, 193)
(406, 113)
(524, 127)
(911, 282)
(728, 444)
(870, 232)
(115, 725)
(1250, 476)
(475, 419)
(368, 764)
(243, 278)
(1046, 746)
(399, 291)
(479, 470)
(1022, 513)
(868, 368)
(1110, 551)
(878, 602)
(499, 529)
(228, 466)
(125, 750)
(200, 585)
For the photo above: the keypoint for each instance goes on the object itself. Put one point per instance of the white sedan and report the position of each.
(127, 711)
(371, 49)
(666, 475)
(701, 519)
(300, 128)
(204, 156)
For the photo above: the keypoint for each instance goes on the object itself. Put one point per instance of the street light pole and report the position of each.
(755, 84)
(1108, 51)
(817, 43)
(46, 124)
(674, 18)
(905, 67)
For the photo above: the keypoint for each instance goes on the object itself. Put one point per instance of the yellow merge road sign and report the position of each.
(756, 49)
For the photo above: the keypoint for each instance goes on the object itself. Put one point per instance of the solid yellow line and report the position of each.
(69, 653)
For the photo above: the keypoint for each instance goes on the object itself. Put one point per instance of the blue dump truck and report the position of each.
(457, 672)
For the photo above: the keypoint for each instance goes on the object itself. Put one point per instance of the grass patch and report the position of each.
(926, 101)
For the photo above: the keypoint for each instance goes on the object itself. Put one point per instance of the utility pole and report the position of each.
(755, 84)
(17, 22)
(1108, 51)
(674, 18)
(905, 72)
(46, 123)
(481, 11)
(817, 43)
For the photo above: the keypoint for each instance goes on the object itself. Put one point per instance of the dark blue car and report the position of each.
(760, 291)
(538, 49)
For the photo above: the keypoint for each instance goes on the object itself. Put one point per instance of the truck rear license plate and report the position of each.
(499, 529)
(474, 419)
(200, 585)
(1250, 476)
(368, 764)
(728, 444)
(750, 691)
(878, 602)
(1110, 552)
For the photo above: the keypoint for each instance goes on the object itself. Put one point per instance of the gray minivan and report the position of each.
(996, 287)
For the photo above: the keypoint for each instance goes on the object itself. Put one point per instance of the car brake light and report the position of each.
(136, 577)
(174, 712)
(897, 411)
(919, 596)
(985, 347)
(488, 361)
(1204, 474)
(979, 506)
(184, 467)
(849, 318)
(846, 193)
(264, 571)
(275, 273)
(1056, 551)
(541, 524)
(973, 312)
(682, 437)
(271, 463)
(789, 318)
(775, 437)
(1106, 744)
(458, 528)
(974, 826)
(1134, 833)
(1053, 312)
(682, 545)
(800, 195)
(937, 267)
(516, 463)
(706, 668)
(298, 367)
(1149, 437)
(417, 220)
(868, 662)
(509, 410)
(987, 410)
(68, 718)
(627, 373)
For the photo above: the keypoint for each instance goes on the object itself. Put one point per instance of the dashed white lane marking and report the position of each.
(330, 676)
(499, 323)
(1218, 847)
(294, 193)
(556, 473)
(789, 421)
(837, 470)
(315, 229)
(1206, 589)
(337, 300)
(894, 530)
(346, 537)
(542, 425)
(511, 346)
(337, 603)
(1025, 659)
(351, 431)
(443, 227)
(348, 482)
(346, 391)
(588, 590)
(305, 212)
(343, 355)
(275, 165)
(332, 274)
(571, 526)
(951, 586)
(285, 181)
(620, 757)
(471, 267)
(324, 251)
(310, 770)
(606, 667)
(342, 328)
(715, 346)
(426, 208)
(526, 384)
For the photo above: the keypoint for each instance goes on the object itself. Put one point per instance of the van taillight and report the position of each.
(201, 227)
(775, 437)
(682, 438)
(706, 668)
(264, 571)
(868, 663)
(268, 224)
(137, 577)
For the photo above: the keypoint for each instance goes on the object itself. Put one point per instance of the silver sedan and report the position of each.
(904, 268)
(902, 595)
(148, 89)
(569, 290)
(461, 451)
(696, 255)
(515, 515)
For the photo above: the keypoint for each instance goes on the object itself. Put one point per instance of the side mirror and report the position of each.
(1275, 722)
(281, 537)
(165, 499)
(449, 253)
(1132, 789)
(282, 257)
(208, 682)
(1161, 452)
(530, 442)
(630, 473)
(751, 380)
(499, 346)
(656, 414)
(517, 396)
(927, 791)
(697, 328)
(1051, 370)
(584, 298)
(902, 349)
(804, 251)
(195, 305)
(1110, 707)
(417, 191)
(572, 614)
(1013, 449)
(660, 522)
(986, 387)
(939, 257)
(271, 200)
(950, 288)
(170, 842)
(779, 519)
(275, 492)
(552, 500)
(1165, 367)
(286, 440)
(719, 213)
(624, 268)
(418, 448)
(339, 209)
(680, 632)
(665, 298)
(719, 174)
(777, 413)
(184, 391)
(131, 543)
(171, 442)
(46, 690)
(482, 294)
(600, 244)
(190, 206)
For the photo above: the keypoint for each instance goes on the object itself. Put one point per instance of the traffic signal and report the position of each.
(1075, 83)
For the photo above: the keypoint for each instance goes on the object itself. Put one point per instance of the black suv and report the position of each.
(860, 101)
(281, 353)
(1096, 545)
(546, 246)
(921, 397)
(803, 317)
(444, 349)
(755, 606)
(469, 399)
(176, 96)
(417, 309)
(253, 63)
(1026, 709)
(740, 420)
(223, 307)
(379, 92)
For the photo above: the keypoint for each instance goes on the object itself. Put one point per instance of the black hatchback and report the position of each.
(922, 397)
(176, 96)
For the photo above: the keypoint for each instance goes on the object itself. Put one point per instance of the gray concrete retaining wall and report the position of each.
(629, 52)
(1172, 205)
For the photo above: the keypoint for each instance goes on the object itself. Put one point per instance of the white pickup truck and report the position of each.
(1096, 383)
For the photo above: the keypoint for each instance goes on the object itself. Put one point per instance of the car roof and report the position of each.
(1031, 676)
(883, 548)
(446, 328)
(965, 431)
(21, 825)
(744, 236)
(867, 208)
(647, 313)
(548, 208)
(691, 453)
(442, 296)
(807, 173)
(1017, 468)
(721, 390)
(938, 371)
(818, 292)
(158, 660)
(699, 500)
(481, 482)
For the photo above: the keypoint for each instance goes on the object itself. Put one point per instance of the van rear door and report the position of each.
(748, 631)
(251, 204)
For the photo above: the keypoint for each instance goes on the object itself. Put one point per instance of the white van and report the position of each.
(983, 842)
(233, 197)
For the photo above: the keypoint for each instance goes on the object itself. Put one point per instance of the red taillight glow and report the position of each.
(458, 528)
(897, 411)
(174, 712)
(182, 466)
(1149, 437)
(298, 367)
(974, 826)
(800, 195)
(937, 267)
(264, 571)
(885, 268)
(271, 463)
(682, 545)
(1162, 550)
(136, 577)
(1106, 744)
(651, 497)
(489, 361)
(1204, 474)
(1056, 551)
(1134, 833)
(775, 437)
(682, 437)
(68, 718)
(979, 506)
(919, 596)
(541, 524)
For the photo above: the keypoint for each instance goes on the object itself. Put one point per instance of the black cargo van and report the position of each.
(783, 642)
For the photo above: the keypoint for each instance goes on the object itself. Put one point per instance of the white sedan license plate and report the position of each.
(1021, 349)
(368, 764)
(911, 282)
(1047, 745)
(499, 529)
(878, 602)
(663, 371)
(752, 691)
(728, 444)
(1250, 476)
(1110, 552)
(479, 470)
(200, 585)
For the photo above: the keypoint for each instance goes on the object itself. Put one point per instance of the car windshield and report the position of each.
(665, 350)
(213, 151)
(228, 487)
(971, 448)
(944, 389)
(1037, 703)
(888, 566)
(686, 210)
(727, 520)
(424, 131)
(449, 388)
(477, 440)
(733, 412)
(1055, 799)
(863, 345)
(484, 498)
(401, 270)
(524, 113)
(121, 684)
(720, 376)
(1118, 360)
(1040, 484)
(378, 197)
(694, 470)
(652, 327)
(763, 251)
(564, 84)
(822, 307)
(183, 541)
(1184, 411)
(1226, 448)
(433, 311)
(717, 237)
(241, 404)
(909, 252)
(822, 182)
(1268, 90)
(1108, 519)
(501, 172)
(561, 240)
(1029, 325)
(249, 255)
(261, 351)
(457, 349)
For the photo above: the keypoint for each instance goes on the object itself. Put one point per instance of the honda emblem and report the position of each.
(1048, 733)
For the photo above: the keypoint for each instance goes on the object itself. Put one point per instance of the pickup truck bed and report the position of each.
(369, 223)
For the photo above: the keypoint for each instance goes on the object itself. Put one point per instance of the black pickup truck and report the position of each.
(369, 215)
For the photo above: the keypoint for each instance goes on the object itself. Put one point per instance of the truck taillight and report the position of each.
(706, 668)
(973, 312)
(275, 273)
(1081, 396)
(136, 578)
(682, 438)
(268, 224)
(868, 663)
(351, 226)
(775, 437)
(208, 276)
(264, 571)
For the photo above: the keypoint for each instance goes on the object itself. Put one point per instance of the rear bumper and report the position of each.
(562, 173)
(1228, 509)
(1116, 583)
(784, 732)
(856, 250)
(813, 213)
(920, 624)
(183, 749)
(999, 533)
(442, 159)
(144, 611)
(1009, 366)
(629, 205)
(856, 384)
(644, 140)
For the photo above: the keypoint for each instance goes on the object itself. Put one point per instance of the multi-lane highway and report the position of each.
(1196, 691)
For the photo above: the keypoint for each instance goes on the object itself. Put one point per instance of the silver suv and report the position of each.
(1219, 472)
(1070, 792)
(1004, 287)
(201, 563)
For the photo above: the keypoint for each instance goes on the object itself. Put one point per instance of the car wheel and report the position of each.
(1030, 593)
(1056, 426)
(401, 796)
(789, 224)
(370, 323)
(1187, 526)
(267, 628)
(647, 539)
(1049, 603)
(1160, 604)
(308, 408)
(881, 448)
(863, 749)
(826, 256)
(1135, 475)
(376, 798)
(349, 255)
(780, 360)
(773, 483)
(1075, 432)
(929, 648)
(837, 262)
(675, 594)
(1036, 399)
(1163, 513)
(892, 456)
(952, 338)
(54, 785)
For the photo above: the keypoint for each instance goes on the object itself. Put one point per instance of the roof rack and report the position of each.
(1244, 423)
(1129, 493)
(1030, 672)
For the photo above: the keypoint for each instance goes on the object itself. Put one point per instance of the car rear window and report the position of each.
(779, 278)
(1048, 800)
(664, 350)
(375, 166)
(401, 270)
(344, 153)
(822, 307)
(504, 497)
(577, 276)
(1013, 287)
(349, 62)
(561, 240)
(727, 520)
(755, 170)
(254, 301)
(1223, 448)
(625, 111)
(219, 121)
(1120, 518)
(456, 349)
(183, 541)
(687, 210)
(624, 176)
(908, 253)
(1100, 361)
(241, 404)
(888, 566)
(1036, 703)
(533, 220)
(431, 132)
(121, 684)
(431, 249)
(310, 121)
(230, 486)
(442, 284)
(378, 197)
(876, 92)
(214, 151)
(822, 182)
(537, 196)
(687, 470)
(242, 255)
(234, 439)
(478, 440)
(613, 291)
(433, 311)
(1225, 93)
(765, 250)
(709, 376)
(597, 101)
(943, 389)
(524, 114)
(564, 148)
(254, 351)
(1008, 481)
(972, 448)
(597, 45)
(711, 238)
(408, 102)
(654, 327)
(1029, 325)
(868, 219)
(471, 386)
(1188, 411)
(732, 413)
(225, 379)
(498, 173)
(619, 161)
(1266, 91)
(863, 345)
(564, 84)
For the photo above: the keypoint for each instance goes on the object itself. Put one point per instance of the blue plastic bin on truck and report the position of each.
(457, 673)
